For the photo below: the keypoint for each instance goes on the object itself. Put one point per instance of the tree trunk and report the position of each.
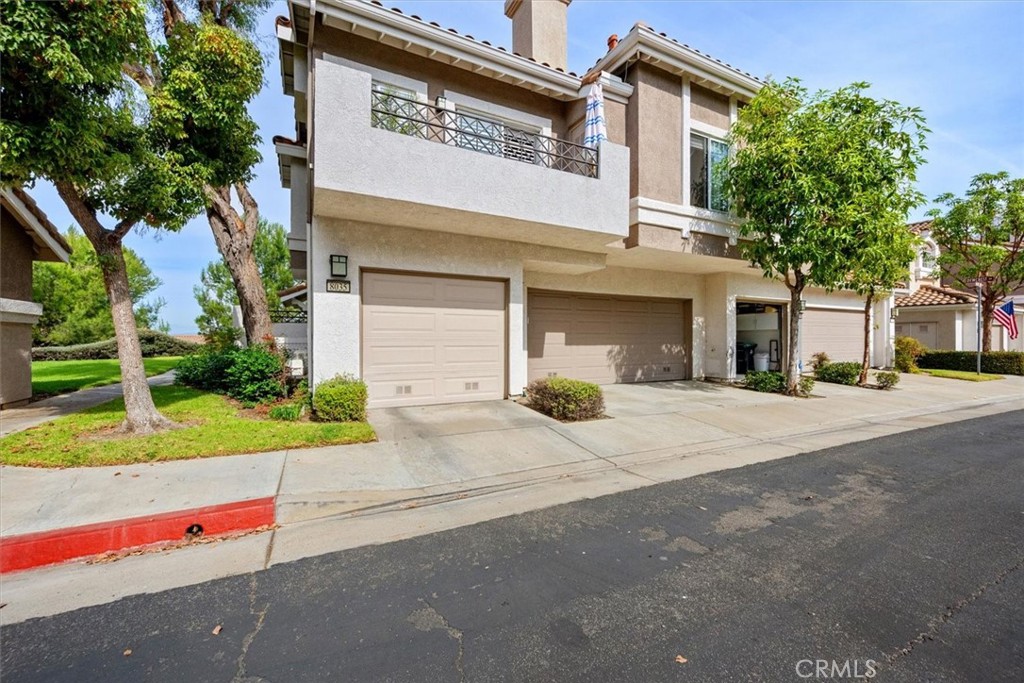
(234, 235)
(793, 371)
(987, 306)
(866, 363)
(141, 415)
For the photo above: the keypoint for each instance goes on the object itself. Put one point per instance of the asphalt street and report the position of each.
(900, 558)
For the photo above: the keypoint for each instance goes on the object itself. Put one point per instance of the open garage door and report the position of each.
(430, 339)
(607, 339)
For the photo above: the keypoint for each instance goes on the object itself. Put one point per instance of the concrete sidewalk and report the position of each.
(36, 413)
(440, 467)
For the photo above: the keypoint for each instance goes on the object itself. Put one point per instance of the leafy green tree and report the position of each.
(982, 236)
(75, 305)
(216, 292)
(814, 177)
(882, 263)
(71, 117)
(211, 71)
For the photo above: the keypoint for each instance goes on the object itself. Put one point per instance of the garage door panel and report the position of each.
(606, 339)
(838, 333)
(432, 339)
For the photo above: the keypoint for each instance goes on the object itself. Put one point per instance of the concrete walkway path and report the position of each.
(18, 419)
(441, 467)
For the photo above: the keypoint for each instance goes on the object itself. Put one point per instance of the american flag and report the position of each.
(1004, 316)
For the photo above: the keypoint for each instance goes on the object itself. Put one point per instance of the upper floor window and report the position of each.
(488, 134)
(396, 109)
(707, 173)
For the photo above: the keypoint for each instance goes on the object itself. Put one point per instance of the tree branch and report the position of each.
(172, 16)
(122, 228)
(138, 74)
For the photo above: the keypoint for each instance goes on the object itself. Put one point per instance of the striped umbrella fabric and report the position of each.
(1004, 316)
(594, 130)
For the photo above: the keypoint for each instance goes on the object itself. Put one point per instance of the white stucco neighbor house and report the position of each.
(458, 240)
(940, 316)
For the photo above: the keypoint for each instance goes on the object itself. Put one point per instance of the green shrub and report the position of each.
(566, 399)
(288, 412)
(765, 381)
(819, 359)
(255, 374)
(908, 350)
(839, 373)
(341, 399)
(887, 379)
(806, 385)
(153, 344)
(206, 370)
(995, 362)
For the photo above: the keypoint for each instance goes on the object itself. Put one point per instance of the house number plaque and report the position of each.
(339, 286)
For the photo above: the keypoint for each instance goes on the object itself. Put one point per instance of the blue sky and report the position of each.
(961, 62)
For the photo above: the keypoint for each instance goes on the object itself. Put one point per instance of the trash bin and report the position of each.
(761, 361)
(744, 357)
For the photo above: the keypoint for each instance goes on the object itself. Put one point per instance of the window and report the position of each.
(491, 136)
(395, 109)
(707, 167)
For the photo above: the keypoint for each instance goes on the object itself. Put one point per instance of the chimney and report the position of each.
(539, 30)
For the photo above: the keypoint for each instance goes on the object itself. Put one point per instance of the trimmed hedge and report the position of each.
(153, 344)
(341, 399)
(765, 381)
(566, 399)
(252, 375)
(839, 373)
(995, 362)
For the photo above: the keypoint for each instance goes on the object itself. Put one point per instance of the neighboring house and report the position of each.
(26, 235)
(458, 240)
(939, 315)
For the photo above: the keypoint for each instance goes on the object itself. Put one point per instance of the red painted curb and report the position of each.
(50, 547)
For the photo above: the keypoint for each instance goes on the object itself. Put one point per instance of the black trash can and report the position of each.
(744, 357)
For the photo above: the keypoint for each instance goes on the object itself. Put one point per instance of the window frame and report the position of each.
(708, 144)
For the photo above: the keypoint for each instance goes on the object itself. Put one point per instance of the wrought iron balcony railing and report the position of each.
(400, 114)
(288, 315)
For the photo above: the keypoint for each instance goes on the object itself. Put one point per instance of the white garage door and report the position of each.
(606, 339)
(840, 334)
(432, 339)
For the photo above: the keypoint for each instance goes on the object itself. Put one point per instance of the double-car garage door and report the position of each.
(606, 339)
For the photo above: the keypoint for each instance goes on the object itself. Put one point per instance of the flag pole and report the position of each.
(979, 286)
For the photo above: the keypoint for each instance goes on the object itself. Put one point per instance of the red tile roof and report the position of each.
(928, 295)
(919, 226)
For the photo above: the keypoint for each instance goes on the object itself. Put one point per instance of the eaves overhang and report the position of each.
(644, 44)
(430, 40)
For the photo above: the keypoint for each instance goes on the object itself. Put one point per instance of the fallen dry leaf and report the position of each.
(216, 629)
(117, 474)
(681, 659)
(127, 653)
(135, 476)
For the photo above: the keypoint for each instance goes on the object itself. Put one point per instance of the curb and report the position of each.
(27, 551)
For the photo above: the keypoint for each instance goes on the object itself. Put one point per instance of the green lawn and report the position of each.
(213, 426)
(961, 374)
(61, 376)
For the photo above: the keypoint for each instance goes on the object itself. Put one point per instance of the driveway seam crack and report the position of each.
(601, 457)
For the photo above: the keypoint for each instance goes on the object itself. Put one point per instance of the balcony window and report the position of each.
(491, 136)
(707, 173)
(395, 111)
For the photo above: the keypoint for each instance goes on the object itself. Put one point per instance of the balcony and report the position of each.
(384, 158)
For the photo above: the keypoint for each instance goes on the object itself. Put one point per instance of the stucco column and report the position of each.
(719, 328)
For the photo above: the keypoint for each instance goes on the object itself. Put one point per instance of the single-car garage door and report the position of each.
(432, 339)
(838, 333)
(606, 339)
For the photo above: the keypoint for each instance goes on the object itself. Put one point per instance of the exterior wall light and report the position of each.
(441, 102)
(895, 313)
(339, 265)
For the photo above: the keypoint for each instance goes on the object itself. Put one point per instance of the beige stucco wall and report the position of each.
(709, 107)
(16, 252)
(438, 77)
(945, 320)
(654, 134)
(540, 30)
(15, 363)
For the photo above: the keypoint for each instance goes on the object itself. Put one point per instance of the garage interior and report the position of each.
(759, 329)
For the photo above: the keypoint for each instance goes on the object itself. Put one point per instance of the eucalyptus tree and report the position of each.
(813, 176)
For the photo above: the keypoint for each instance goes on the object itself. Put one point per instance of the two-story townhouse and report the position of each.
(459, 240)
(933, 311)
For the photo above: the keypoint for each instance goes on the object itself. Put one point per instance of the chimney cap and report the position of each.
(613, 41)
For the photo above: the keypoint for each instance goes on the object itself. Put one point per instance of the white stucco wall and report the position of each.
(355, 158)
